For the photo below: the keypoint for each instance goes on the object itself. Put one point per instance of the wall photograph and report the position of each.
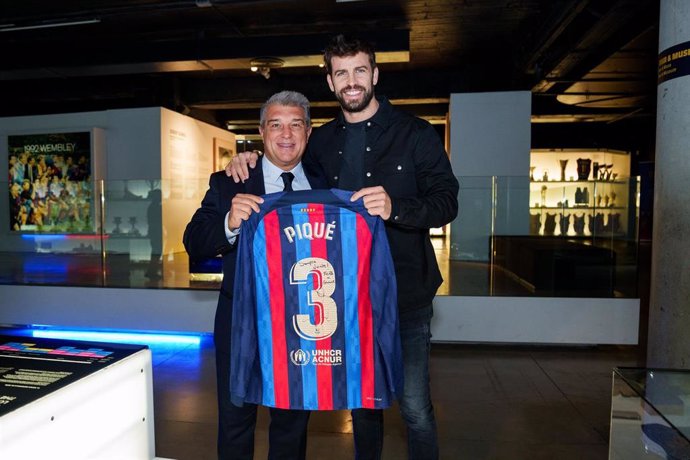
(49, 181)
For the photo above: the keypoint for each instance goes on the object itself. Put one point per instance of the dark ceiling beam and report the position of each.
(120, 55)
(599, 30)
(26, 13)
(539, 40)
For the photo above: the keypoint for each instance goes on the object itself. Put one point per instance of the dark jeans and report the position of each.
(415, 404)
(287, 435)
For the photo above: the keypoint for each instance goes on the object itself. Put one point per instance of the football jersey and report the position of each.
(315, 317)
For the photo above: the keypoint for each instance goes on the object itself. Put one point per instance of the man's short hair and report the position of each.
(342, 46)
(290, 99)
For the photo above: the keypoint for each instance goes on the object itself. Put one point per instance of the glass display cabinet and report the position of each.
(650, 414)
(580, 193)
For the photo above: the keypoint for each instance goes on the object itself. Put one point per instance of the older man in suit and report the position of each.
(214, 228)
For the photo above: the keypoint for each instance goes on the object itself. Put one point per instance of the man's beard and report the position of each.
(355, 106)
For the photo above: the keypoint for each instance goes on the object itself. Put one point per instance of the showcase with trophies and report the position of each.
(581, 193)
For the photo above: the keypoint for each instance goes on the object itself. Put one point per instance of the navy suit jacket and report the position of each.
(205, 237)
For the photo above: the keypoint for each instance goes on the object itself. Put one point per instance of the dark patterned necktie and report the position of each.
(287, 180)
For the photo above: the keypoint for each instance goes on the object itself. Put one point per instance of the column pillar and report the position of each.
(669, 309)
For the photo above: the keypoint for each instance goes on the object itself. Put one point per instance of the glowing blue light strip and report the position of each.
(118, 337)
(44, 237)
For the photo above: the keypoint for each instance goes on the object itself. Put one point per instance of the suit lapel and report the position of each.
(315, 181)
(255, 183)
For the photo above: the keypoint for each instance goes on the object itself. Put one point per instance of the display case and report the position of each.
(650, 414)
(68, 399)
(580, 193)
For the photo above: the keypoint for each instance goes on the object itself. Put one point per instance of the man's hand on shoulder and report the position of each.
(238, 167)
(243, 205)
(376, 201)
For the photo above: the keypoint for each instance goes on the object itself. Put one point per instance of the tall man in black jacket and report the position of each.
(285, 128)
(398, 164)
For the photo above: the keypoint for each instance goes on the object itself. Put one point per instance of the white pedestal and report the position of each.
(106, 414)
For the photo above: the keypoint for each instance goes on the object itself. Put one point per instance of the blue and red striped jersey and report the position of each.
(315, 318)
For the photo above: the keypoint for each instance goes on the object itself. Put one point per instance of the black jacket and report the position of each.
(405, 155)
(205, 237)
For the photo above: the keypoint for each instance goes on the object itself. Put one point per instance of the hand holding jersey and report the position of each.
(243, 205)
(376, 201)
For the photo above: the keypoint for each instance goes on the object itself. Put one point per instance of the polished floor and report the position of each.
(492, 402)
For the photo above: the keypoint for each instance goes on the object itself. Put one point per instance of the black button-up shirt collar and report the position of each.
(382, 117)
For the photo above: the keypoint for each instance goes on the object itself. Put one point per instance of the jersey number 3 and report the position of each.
(319, 293)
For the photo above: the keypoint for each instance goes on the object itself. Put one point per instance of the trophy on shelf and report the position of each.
(550, 224)
(544, 188)
(563, 163)
(534, 223)
(117, 220)
(596, 225)
(613, 198)
(605, 172)
(584, 166)
(581, 197)
(133, 223)
(609, 171)
(595, 170)
(564, 223)
(614, 223)
(531, 173)
(579, 224)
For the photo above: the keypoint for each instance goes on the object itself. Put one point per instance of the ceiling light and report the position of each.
(263, 65)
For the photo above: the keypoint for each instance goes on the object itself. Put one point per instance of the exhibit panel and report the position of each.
(75, 400)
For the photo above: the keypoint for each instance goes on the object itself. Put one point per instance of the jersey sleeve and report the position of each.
(243, 332)
(384, 294)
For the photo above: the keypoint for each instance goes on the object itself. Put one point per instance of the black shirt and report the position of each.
(405, 155)
(351, 175)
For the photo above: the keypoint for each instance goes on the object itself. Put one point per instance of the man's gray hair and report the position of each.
(288, 98)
